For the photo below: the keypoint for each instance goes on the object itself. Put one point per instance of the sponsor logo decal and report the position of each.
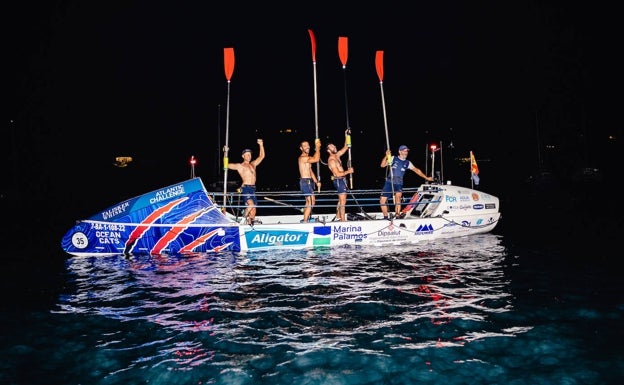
(490, 205)
(168, 193)
(342, 232)
(322, 230)
(389, 233)
(321, 241)
(119, 209)
(475, 196)
(477, 206)
(479, 222)
(424, 229)
(256, 239)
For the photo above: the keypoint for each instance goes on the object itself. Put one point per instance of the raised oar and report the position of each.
(228, 62)
(380, 74)
(316, 131)
(343, 53)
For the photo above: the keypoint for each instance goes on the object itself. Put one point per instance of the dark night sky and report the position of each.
(98, 79)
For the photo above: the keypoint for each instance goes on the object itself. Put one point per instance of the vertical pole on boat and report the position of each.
(228, 61)
(433, 150)
(441, 164)
(192, 161)
(316, 133)
(380, 73)
(343, 53)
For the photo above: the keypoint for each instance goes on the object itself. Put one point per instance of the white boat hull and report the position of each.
(184, 218)
(359, 233)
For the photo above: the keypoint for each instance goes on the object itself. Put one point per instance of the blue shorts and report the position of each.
(249, 192)
(341, 185)
(307, 186)
(388, 186)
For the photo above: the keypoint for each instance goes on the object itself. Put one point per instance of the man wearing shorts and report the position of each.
(247, 172)
(308, 180)
(338, 175)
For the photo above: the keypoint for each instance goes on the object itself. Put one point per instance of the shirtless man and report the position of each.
(308, 179)
(335, 166)
(247, 172)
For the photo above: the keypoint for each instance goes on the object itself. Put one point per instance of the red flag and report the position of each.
(474, 169)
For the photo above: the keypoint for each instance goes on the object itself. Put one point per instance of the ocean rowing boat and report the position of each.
(186, 218)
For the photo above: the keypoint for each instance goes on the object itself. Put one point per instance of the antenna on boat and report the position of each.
(433, 148)
(192, 162)
(441, 176)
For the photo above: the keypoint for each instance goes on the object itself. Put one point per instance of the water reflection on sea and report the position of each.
(302, 291)
(443, 312)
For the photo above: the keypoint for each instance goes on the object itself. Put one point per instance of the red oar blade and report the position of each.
(343, 49)
(313, 40)
(228, 62)
(379, 64)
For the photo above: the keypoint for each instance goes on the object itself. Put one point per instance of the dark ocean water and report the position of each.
(538, 301)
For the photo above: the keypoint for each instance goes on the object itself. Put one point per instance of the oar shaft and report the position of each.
(343, 54)
(316, 129)
(228, 64)
(380, 71)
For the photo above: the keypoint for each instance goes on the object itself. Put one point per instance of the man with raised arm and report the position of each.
(338, 175)
(308, 181)
(247, 172)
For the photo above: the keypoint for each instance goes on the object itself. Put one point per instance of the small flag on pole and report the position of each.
(474, 169)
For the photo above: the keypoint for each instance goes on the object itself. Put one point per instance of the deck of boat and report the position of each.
(288, 206)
